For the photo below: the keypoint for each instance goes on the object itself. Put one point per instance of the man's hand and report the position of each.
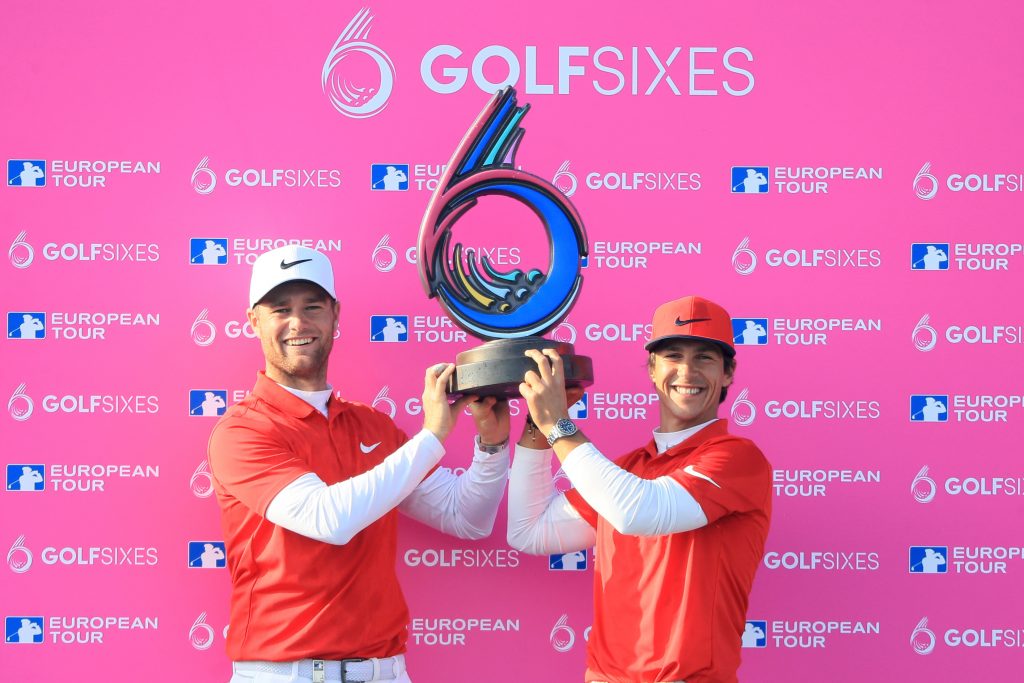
(438, 415)
(491, 417)
(544, 389)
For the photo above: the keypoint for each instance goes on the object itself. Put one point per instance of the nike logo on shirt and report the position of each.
(680, 323)
(694, 473)
(286, 266)
(367, 449)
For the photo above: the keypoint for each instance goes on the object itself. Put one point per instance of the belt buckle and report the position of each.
(344, 666)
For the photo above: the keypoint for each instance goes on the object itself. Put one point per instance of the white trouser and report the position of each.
(262, 677)
(299, 672)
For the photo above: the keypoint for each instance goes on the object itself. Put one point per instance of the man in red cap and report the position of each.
(679, 523)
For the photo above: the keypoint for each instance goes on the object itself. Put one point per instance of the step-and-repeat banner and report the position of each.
(847, 180)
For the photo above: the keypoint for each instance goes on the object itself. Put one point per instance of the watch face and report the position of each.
(566, 426)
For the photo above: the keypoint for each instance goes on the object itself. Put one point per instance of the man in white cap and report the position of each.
(309, 486)
(679, 523)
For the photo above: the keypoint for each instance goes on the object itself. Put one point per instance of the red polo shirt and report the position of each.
(671, 608)
(293, 597)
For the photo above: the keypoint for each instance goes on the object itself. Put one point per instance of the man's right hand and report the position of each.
(544, 389)
(439, 416)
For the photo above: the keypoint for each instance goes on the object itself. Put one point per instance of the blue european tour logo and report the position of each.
(929, 408)
(25, 477)
(755, 633)
(750, 179)
(580, 410)
(389, 328)
(26, 325)
(568, 562)
(208, 251)
(750, 331)
(207, 555)
(207, 402)
(26, 172)
(929, 256)
(928, 559)
(389, 177)
(23, 630)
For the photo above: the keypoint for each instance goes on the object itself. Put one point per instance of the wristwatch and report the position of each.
(489, 448)
(563, 427)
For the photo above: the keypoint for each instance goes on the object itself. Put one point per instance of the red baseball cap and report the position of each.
(692, 317)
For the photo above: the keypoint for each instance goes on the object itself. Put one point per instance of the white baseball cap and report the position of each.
(286, 264)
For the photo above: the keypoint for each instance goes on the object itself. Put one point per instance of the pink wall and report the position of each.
(784, 86)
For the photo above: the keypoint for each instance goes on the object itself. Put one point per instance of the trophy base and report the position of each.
(496, 368)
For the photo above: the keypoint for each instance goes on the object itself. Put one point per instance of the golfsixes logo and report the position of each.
(352, 86)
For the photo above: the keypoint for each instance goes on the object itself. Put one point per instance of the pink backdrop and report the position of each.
(907, 120)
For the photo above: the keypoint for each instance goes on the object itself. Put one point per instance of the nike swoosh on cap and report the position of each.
(680, 323)
(694, 473)
(286, 266)
(368, 449)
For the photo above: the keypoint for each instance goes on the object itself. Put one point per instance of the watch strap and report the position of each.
(490, 449)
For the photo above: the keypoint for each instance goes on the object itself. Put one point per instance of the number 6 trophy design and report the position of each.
(511, 309)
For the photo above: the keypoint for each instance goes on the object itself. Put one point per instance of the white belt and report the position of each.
(346, 671)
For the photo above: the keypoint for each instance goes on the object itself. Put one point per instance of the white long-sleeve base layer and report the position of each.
(464, 506)
(541, 520)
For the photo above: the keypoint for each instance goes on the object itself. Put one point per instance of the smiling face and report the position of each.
(689, 376)
(295, 324)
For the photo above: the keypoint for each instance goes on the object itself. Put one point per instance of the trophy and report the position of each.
(509, 309)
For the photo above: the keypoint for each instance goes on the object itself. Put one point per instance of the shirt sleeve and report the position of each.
(725, 477)
(632, 505)
(540, 519)
(251, 465)
(466, 505)
(336, 513)
(585, 509)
